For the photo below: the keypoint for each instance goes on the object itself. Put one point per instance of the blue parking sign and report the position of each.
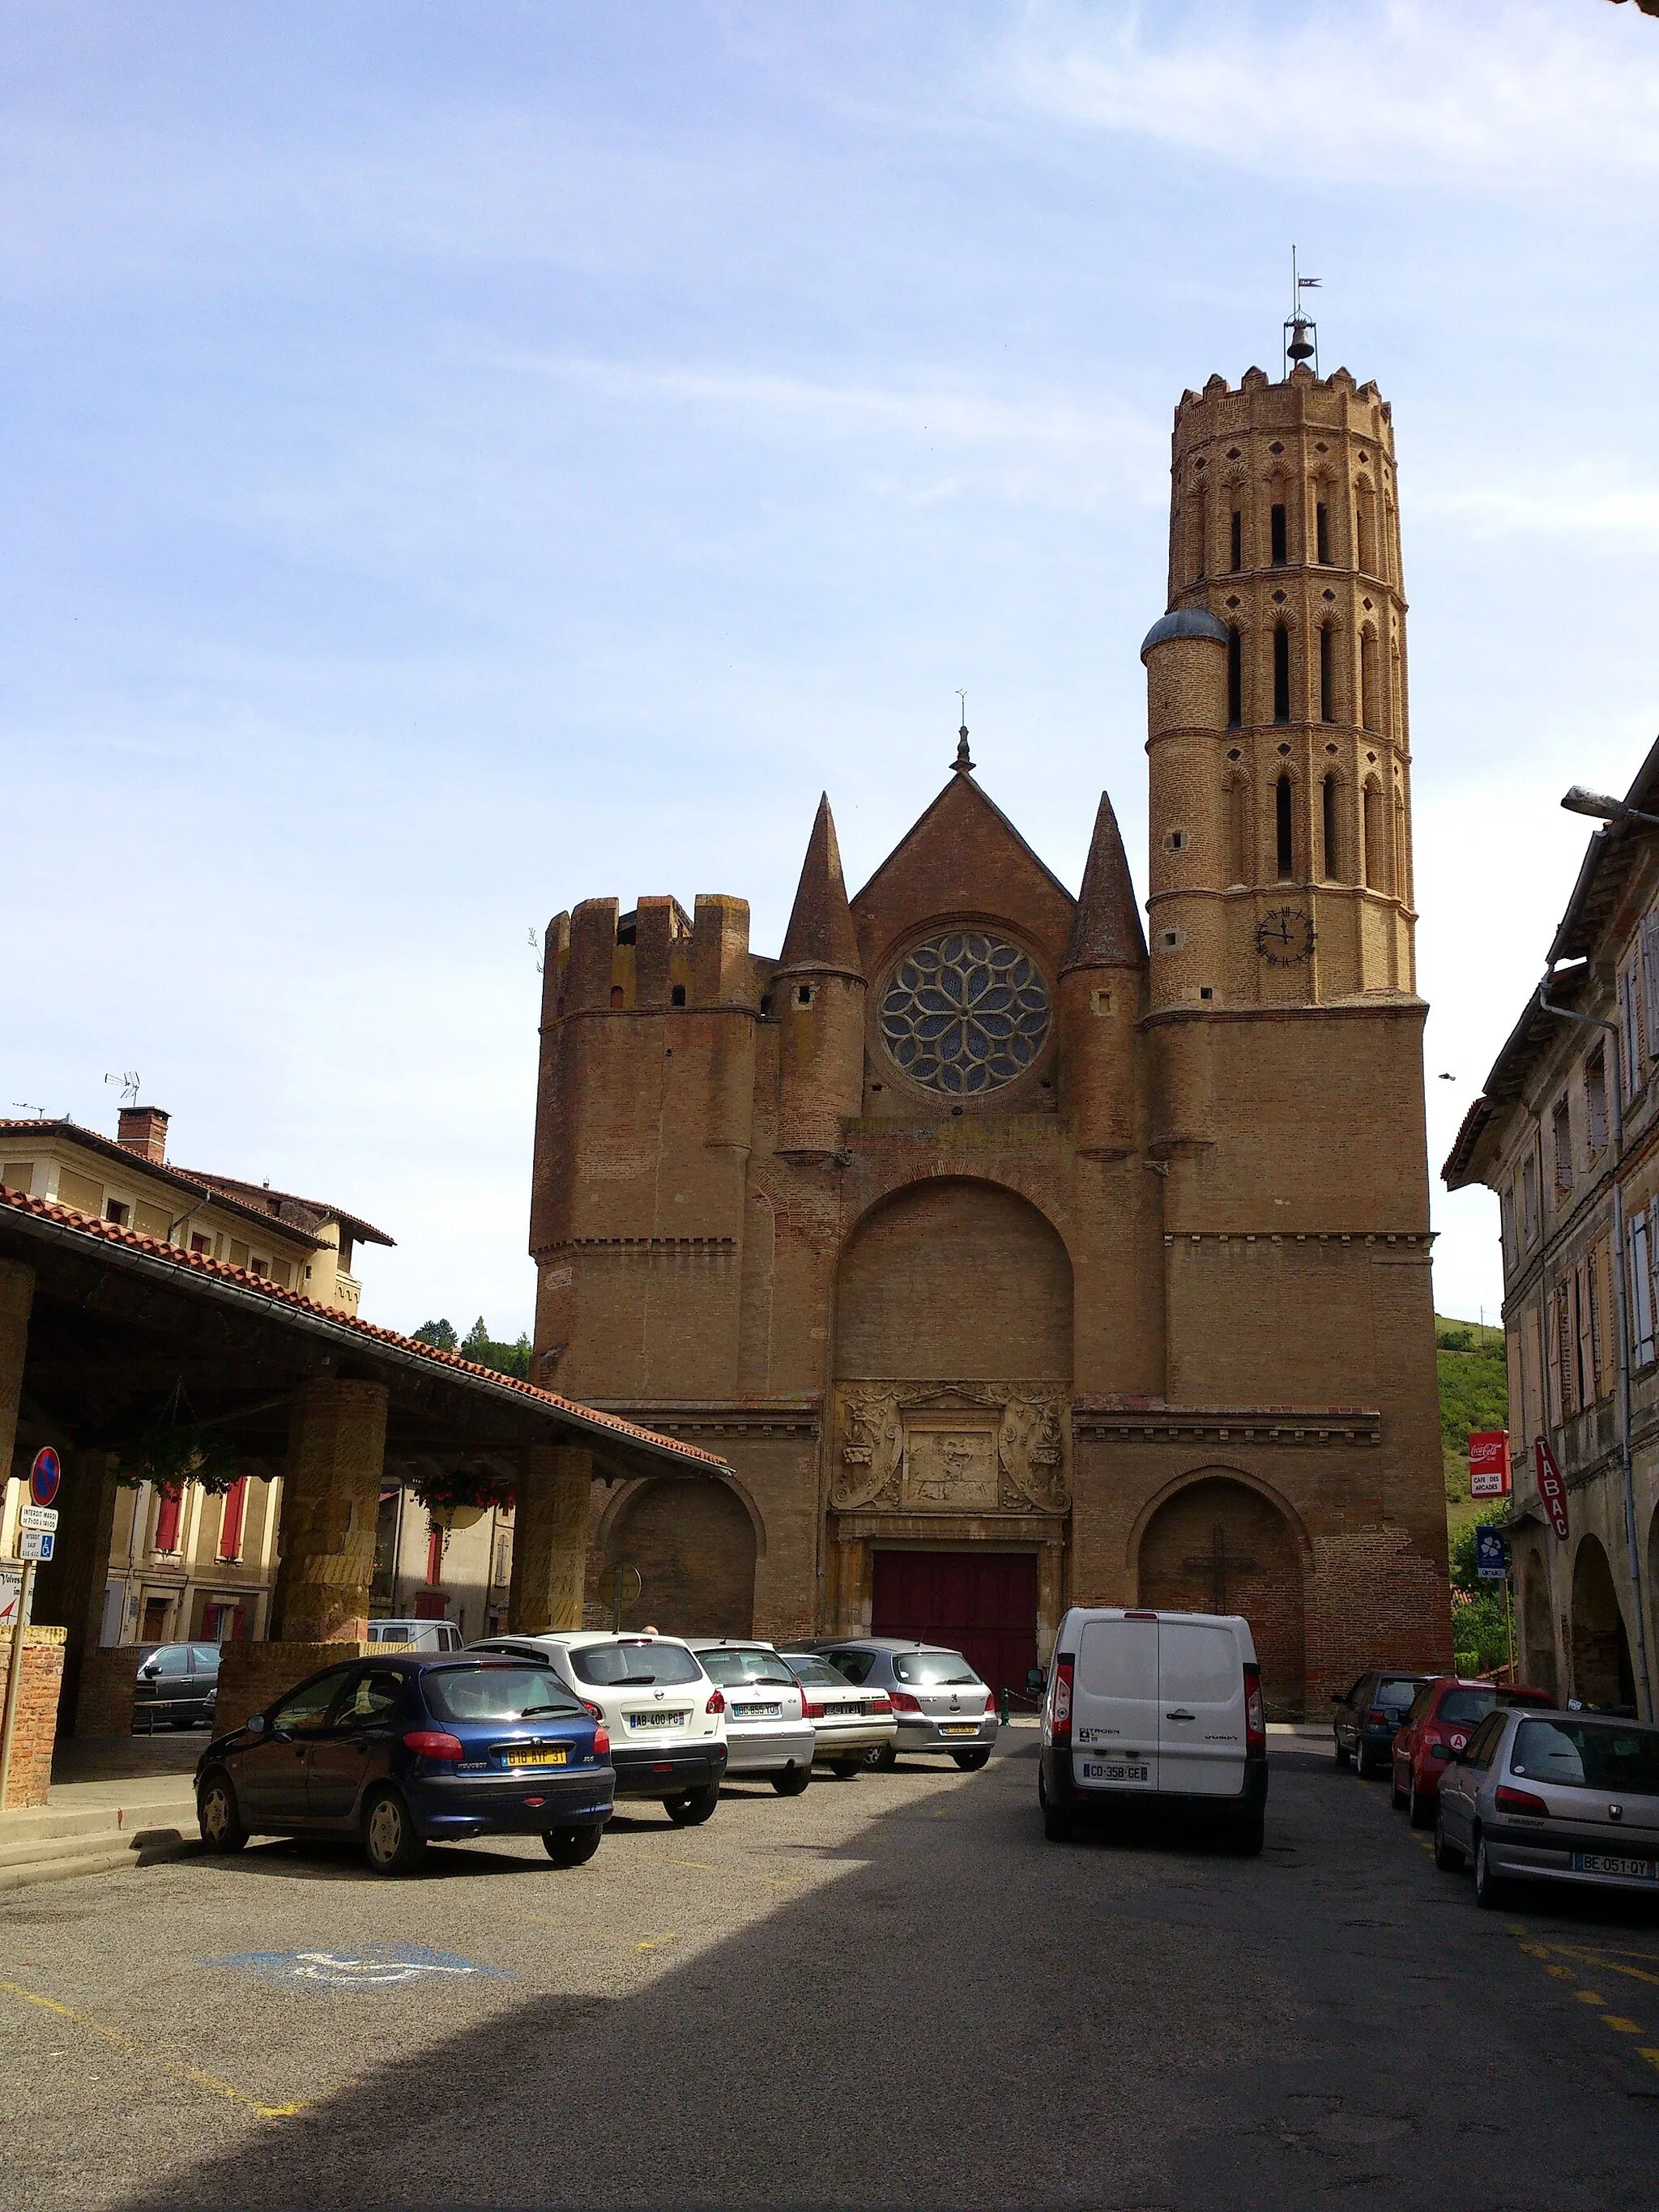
(1492, 1555)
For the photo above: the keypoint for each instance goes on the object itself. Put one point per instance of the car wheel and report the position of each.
(846, 1768)
(692, 1806)
(1417, 1807)
(1397, 1797)
(885, 1758)
(571, 1847)
(219, 1815)
(1491, 1892)
(391, 1844)
(792, 1780)
(1362, 1761)
(182, 1721)
(1249, 1825)
(1446, 1856)
(1056, 1821)
(1342, 1753)
(971, 1761)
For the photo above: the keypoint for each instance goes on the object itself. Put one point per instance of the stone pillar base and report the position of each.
(103, 1698)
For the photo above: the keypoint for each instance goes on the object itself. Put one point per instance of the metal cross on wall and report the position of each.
(1219, 1562)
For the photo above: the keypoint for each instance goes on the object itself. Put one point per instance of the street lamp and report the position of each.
(1603, 807)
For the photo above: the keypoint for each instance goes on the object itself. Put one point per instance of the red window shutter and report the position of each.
(435, 1556)
(230, 1521)
(167, 1521)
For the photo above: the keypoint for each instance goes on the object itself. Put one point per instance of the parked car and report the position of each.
(402, 1752)
(1553, 1797)
(853, 1726)
(424, 1635)
(1368, 1717)
(1444, 1714)
(766, 1730)
(176, 1683)
(940, 1704)
(1163, 1708)
(666, 1716)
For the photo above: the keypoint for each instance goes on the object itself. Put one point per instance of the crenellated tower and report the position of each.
(1280, 761)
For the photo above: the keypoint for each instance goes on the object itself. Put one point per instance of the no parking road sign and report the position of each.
(44, 1475)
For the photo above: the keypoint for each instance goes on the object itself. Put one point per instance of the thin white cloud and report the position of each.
(1402, 92)
(1581, 505)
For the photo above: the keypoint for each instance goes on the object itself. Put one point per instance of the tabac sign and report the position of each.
(1551, 1487)
(1489, 1463)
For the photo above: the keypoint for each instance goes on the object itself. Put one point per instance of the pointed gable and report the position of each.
(1106, 933)
(962, 858)
(821, 936)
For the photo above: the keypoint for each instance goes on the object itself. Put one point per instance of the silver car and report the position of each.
(940, 1704)
(1558, 1797)
(852, 1728)
(766, 1730)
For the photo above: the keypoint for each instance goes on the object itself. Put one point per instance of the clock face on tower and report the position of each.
(1285, 936)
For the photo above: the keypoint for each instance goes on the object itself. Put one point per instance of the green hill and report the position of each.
(1475, 1394)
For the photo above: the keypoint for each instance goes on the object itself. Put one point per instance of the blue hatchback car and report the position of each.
(405, 1751)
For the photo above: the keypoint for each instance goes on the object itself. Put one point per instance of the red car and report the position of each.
(1444, 1715)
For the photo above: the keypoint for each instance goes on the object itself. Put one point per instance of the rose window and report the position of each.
(965, 1013)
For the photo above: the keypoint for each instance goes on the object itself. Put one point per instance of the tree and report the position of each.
(440, 1335)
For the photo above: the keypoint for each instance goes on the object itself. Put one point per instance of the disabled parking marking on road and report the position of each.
(371, 1966)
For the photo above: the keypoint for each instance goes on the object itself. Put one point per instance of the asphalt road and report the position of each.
(890, 1992)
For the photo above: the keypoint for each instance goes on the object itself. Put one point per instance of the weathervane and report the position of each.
(1301, 332)
(964, 765)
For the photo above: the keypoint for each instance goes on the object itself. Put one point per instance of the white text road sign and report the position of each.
(37, 1516)
(35, 1544)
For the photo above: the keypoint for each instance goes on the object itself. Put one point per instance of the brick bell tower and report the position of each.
(1285, 1028)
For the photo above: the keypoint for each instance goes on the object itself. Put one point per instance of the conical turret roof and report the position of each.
(821, 935)
(1107, 930)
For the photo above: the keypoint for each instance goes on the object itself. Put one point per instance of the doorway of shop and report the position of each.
(983, 1604)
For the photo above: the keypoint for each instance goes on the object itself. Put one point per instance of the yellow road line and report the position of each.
(1624, 2027)
(1589, 1996)
(656, 1943)
(146, 2051)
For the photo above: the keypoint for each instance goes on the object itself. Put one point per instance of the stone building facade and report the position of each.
(1569, 1110)
(1011, 1261)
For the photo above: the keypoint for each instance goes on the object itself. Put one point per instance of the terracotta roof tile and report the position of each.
(197, 1263)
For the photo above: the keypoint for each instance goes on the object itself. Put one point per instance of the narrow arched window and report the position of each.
(1238, 541)
(1376, 859)
(1281, 673)
(1328, 818)
(1235, 678)
(1242, 858)
(1284, 825)
(1276, 518)
(1368, 680)
(1368, 555)
(1401, 878)
(1196, 538)
(615, 995)
(1328, 674)
(1322, 533)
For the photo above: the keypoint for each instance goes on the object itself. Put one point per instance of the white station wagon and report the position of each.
(767, 1731)
(666, 1718)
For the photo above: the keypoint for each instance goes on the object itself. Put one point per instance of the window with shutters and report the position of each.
(1552, 1354)
(1506, 1222)
(1641, 1289)
(1561, 1135)
(1632, 1060)
(1650, 982)
(1584, 1277)
(230, 1519)
(1595, 1102)
(169, 1505)
(1528, 1198)
(1569, 1330)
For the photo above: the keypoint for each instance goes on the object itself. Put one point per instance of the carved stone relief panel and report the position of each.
(952, 1446)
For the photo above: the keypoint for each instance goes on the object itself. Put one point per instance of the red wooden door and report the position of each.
(983, 1604)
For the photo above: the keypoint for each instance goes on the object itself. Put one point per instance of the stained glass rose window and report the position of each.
(965, 1013)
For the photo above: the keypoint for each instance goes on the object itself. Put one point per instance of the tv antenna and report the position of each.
(25, 1106)
(130, 1084)
(1301, 332)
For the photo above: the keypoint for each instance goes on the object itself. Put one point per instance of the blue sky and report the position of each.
(461, 459)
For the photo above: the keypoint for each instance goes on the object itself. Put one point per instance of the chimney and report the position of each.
(143, 1130)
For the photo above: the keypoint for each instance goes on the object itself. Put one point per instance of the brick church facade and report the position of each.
(1011, 1260)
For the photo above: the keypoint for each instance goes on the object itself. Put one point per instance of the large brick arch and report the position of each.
(1260, 1555)
(693, 1545)
(1602, 1670)
(953, 1279)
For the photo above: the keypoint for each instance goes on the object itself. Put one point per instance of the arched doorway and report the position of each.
(1537, 1629)
(1602, 1670)
(693, 1546)
(1220, 1547)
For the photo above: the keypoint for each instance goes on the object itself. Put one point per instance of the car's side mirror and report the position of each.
(255, 1724)
(149, 1670)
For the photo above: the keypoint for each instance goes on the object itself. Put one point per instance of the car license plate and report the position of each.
(757, 1712)
(958, 1728)
(1115, 1769)
(545, 1754)
(1604, 1862)
(657, 1720)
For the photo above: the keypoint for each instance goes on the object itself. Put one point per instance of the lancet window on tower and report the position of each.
(1238, 541)
(1281, 673)
(1322, 534)
(1368, 679)
(1327, 673)
(1235, 677)
(1285, 827)
(1376, 859)
(1242, 859)
(1280, 532)
(1329, 794)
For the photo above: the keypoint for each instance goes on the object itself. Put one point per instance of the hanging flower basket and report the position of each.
(177, 1452)
(444, 1494)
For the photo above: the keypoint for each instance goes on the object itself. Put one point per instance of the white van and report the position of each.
(1165, 1706)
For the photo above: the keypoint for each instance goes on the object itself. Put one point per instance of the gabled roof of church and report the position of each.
(821, 934)
(1107, 931)
(962, 855)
